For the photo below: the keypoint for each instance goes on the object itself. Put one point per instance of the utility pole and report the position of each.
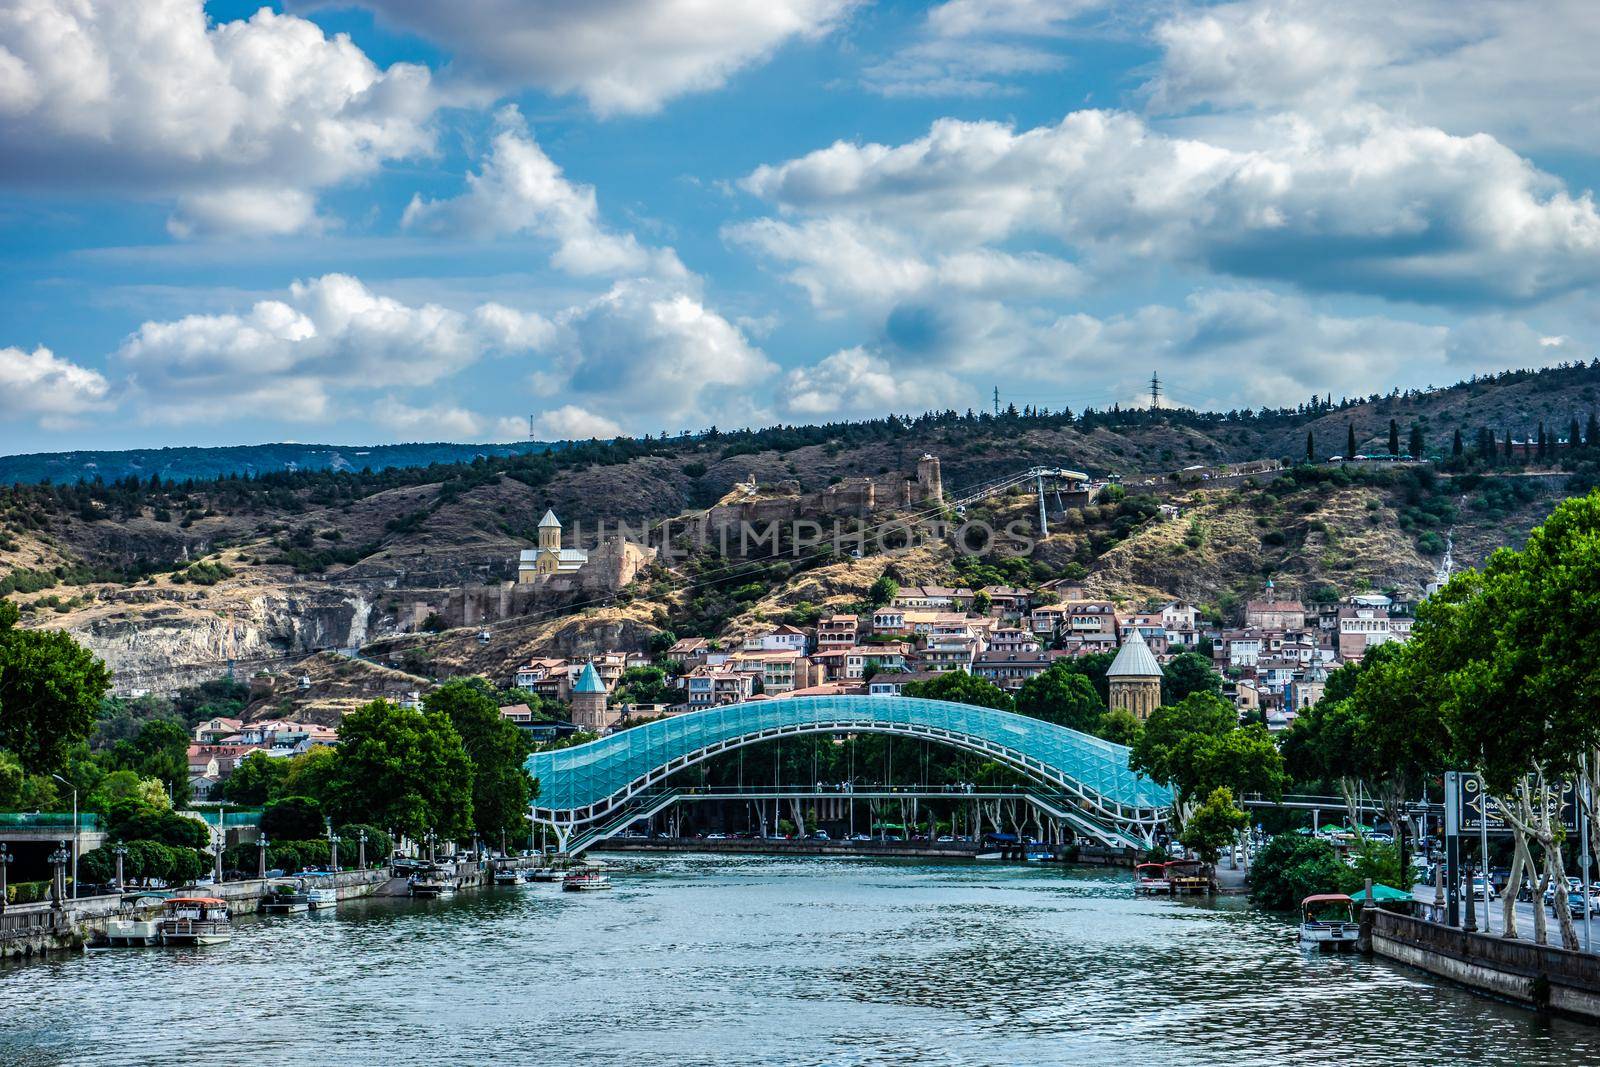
(997, 400)
(530, 427)
(1155, 391)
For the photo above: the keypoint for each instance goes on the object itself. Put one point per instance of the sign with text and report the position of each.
(1474, 806)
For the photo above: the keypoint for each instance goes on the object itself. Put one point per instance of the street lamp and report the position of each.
(58, 879)
(119, 851)
(6, 859)
(261, 857)
(74, 789)
(333, 848)
(361, 855)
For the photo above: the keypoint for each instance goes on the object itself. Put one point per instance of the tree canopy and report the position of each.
(501, 787)
(50, 692)
(404, 770)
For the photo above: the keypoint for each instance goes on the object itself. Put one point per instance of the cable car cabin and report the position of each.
(1151, 878)
(1187, 876)
(1328, 923)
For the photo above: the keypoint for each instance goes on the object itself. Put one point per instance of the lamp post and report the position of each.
(333, 848)
(119, 851)
(75, 838)
(6, 859)
(261, 856)
(58, 877)
(361, 848)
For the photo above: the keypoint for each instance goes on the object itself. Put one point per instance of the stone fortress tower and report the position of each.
(929, 482)
(1135, 678)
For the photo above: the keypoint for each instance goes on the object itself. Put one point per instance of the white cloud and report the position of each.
(855, 381)
(1370, 205)
(437, 422)
(974, 47)
(569, 422)
(652, 352)
(287, 357)
(242, 120)
(520, 190)
(841, 263)
(622, 56)
(1522, 70)
(40, 384)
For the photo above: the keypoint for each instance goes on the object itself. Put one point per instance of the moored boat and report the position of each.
(432, 882)
(195, 921)
(506, 876)
(130, 932)
(546, 874)
(1328, 923)
(285, 898)
(1187, 876)
(321, 894)
(582, 881)
(1151, 878)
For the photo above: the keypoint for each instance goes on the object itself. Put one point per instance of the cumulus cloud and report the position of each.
(242, 120)
(41, 385)
(622, 56)
(856, 381)
(1370, 205)
(569, 422)
(286, 357)
(1521, 70)
(653, 352)
(520, 190)
(434, 422)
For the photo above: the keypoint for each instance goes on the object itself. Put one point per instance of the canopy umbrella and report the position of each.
(1381, 894)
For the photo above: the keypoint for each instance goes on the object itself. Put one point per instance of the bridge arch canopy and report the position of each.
(587, 783)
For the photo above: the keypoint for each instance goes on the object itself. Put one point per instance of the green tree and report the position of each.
(961, 688)
(1061, 696)
(883, 591)
(501, 787)
(309, 773)
(1456, 447)
(1119, 726)
(1394, 438)
(1292, 867)
(1311, 447)
(1188, 673)
(403, 770)
(1416, 444)
(255, 780)
(1198, 745)
(981, 603)
(51, 688)
(1349, 440)
(159, 750)
(1214, 825)
(293, 819)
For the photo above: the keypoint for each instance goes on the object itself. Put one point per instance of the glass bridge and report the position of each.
(596, 789)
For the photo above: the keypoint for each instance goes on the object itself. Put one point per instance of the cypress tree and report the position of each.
(1574, 435)
(1508, 445)
(1394, 438)
(1539, 446)
(1592, 438)
(1416, 444)
(1311, 448)
(1350, 440)
(1455, 444)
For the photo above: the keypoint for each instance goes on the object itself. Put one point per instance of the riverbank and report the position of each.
(1090, 855)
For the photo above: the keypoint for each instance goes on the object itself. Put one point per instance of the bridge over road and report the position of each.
(593, 791)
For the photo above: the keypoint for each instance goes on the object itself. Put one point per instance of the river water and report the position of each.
(766, 960)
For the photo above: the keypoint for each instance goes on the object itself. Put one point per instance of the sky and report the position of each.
(370, 221)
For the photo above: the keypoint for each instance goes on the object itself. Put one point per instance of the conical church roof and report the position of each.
(550, 519)
(589, 681)
(1134, 659)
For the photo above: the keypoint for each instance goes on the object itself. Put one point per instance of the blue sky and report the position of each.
(391, 220)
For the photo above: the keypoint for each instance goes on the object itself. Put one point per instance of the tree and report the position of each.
(1350, 440)
(1063, 697)
(51, 688)
(1455, 444)
(1394, 437)
(1187, 673)
(961, 688)
(1093, 667)
(981, 603)
(883, 591)
(309, 774)
(501, 787)
(1311, 447)
(404, 770)
(1214, 825)
(159, 750)
(255, 780)
(1416, 445)
(1197, 745)
(1591, 436)
(1292, 867)
(293, 819)
(1119, 726)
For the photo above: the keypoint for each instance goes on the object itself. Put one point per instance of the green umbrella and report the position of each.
(1381, 894)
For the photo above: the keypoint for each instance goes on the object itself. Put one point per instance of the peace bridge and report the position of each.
(593, 791)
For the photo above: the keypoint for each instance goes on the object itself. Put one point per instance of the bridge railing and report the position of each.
(48, 820)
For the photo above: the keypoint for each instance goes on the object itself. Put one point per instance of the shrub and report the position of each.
(1294, 866)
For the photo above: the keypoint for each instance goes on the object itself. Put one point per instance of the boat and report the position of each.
(546, 874)
(285, 898)
(585, 881)
(530, 874)
(432, 882)
(1328, 923)
(321, 894)
(1151, 878)
(1187, 876)
(195, 921)
(129, 932)
(506, 876)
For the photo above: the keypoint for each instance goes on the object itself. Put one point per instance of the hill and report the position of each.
(169, 580)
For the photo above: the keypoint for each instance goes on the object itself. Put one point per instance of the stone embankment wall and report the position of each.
(1538, 976)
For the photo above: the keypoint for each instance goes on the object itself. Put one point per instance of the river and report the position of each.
(765, 960)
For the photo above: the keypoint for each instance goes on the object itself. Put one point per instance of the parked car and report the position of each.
(819, 835)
